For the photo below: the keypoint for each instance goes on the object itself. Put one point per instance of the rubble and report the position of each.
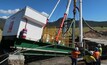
(93, 34)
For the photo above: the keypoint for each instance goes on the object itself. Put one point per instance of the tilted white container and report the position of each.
(27, 18)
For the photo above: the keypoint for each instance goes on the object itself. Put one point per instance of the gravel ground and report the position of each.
(104, 62)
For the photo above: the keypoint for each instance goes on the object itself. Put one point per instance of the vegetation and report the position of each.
(52, 31)
(2, 22)
(69, 20)
(0, 34)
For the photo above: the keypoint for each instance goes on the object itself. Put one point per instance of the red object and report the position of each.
(11, 26)
(59, 31)
(75, 54)
(46, 23)
(24, 33)
(96, 54)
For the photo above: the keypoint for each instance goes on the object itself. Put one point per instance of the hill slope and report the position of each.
(91, 23)
(2, 22)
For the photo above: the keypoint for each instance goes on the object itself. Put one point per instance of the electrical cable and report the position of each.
(88, 24)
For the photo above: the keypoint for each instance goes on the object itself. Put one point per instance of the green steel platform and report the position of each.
(28, 47)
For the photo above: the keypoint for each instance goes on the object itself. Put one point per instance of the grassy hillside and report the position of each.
(0, 34)
(2, 22)
(52, 31)
(86, 29)
(91, 23)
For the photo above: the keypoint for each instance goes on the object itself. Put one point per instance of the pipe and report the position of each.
(51, 13)
(73, 26)
(59, 31)
(80, 25)
(54, 9)
(65, 16)
(68, 7)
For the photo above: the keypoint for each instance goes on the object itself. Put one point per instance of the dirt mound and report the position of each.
(94, 34)
(104, 32)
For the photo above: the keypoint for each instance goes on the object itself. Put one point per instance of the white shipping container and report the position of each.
(27, 18)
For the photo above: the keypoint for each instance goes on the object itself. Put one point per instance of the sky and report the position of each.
(95, 10)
